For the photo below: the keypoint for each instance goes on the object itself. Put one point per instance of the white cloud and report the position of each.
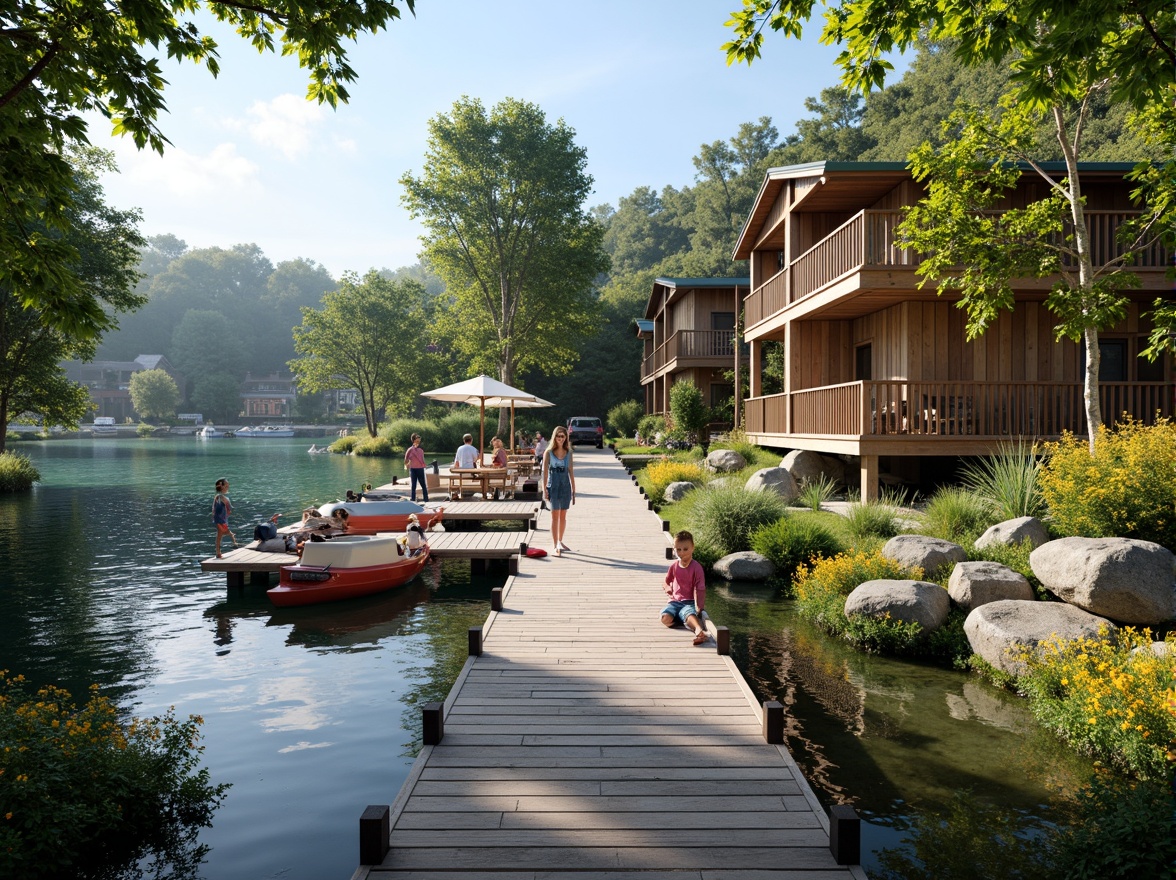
(285, 123)
(180, 173)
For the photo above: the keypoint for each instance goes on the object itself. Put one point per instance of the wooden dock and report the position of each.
(584, 739)
(478, 547)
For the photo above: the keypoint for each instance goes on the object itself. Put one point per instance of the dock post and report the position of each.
(773, 722)
(665, 525)
(845, 835)
(649, 504)
(234, 578)
(496, 599)
(475, 641)
(477, 566)
(723, 640)
(669, 553)
(433, 723)
(512, 565)
(373, 834)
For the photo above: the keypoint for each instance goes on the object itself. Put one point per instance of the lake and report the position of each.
(312, 713)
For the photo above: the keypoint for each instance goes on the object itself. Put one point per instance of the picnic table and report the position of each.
(480, 479)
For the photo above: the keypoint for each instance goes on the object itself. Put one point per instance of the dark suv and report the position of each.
(586, 430)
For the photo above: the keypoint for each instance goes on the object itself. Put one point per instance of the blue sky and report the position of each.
(642, 82)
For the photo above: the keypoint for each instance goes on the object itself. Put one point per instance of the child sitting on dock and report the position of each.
(414, 537)
(685, 584)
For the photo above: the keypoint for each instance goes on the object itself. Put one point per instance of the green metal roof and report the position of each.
(704, 282)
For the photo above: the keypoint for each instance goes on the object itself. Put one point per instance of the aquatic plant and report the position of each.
(17, 473)
(83, 792)
(376, 447)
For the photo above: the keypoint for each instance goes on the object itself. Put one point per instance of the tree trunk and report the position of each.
(4, 423)
(506, 374)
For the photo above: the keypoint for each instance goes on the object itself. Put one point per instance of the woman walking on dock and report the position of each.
(559, 484)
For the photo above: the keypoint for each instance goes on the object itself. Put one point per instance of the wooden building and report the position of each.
(689, 334)
(876, 368)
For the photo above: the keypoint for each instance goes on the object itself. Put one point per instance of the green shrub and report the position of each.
(375, 447)
(1127, 489)
(460, 422)
(814, 493)
(144, 430)
(688, 410)
(821, 588)
(725, 516)
(17, 473)
(956, 514)
(399, 433)
(650, 426)
(657, 475)
(1009, 481)
(624, 418)
(344, 445)
(789, 543)
(872, 519)
(83, 793)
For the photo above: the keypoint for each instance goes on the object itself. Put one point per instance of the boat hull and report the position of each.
(369, 517)
(304, 584)
(273, 433)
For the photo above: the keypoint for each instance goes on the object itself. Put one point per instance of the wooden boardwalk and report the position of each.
(589, 741)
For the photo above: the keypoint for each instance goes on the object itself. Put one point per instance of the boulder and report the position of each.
(1160, 649)
(725, 460)
(775, 480)
(1125, 579)
(973, 584)
(930, 554)
(744, 566)
(1014, 531)
(999, 631)
(678, 491)
(909, 601)
(807, 466)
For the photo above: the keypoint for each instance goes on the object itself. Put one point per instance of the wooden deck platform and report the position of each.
(484, 511)
(475, 546)
(588, 741)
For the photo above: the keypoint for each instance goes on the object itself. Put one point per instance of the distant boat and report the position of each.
(209, 432)
(318, 450)
(104, 427)
(345, 567)
(266, 431)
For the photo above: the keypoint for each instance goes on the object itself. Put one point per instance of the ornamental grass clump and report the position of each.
(1127, 489)
(723, 517)
(1009, 481)
(790, 542)
(17, 473)
(1108, 699)
(814, 493)
(83, 793)
(659, 474)
(957, 515)
(375, 447)
(872, 519)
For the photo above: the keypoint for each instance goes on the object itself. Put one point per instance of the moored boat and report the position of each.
(346, 567)
(272, 431)
(210, 432)
(383, 516)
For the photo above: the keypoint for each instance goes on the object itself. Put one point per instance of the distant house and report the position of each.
(109, 382)
(689, 334)
(878, 369)
(268, 397)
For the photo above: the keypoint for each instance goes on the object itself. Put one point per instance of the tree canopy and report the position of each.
(62, 58)
(154, 394)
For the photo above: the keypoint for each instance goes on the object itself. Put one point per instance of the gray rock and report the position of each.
(1160, 649)
(973, 584)
(930, 554)
(725, 460)
(1000, 631)
(775, 480)
(678, 491)
(909, 601)
(744, 566)
(807, 466)
(1125, 579)
(1014, 531)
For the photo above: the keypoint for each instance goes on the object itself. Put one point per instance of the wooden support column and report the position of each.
(373, 834)
(234, 578)
(869, 478)
(478, 566)
(755, 375)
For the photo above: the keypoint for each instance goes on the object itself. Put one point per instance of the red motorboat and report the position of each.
(345, 567)
(369, 517)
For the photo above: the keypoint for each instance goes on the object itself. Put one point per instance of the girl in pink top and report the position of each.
(414, 460)
(685, 585)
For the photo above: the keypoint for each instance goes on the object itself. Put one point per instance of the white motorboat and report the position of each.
(266, 431)
(210, 432)
(104, 427)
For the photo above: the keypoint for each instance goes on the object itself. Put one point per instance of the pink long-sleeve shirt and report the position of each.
(687, 584)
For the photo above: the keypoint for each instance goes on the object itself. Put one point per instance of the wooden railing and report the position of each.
(768, 299)
(979, 409)
(830, 258)
(691, 344)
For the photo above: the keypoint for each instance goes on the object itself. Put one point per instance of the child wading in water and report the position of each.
(686, 586)
(221, 508)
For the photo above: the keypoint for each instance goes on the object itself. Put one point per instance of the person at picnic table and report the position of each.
(499, 460)
(467, 455)
(540, 446)
(685, 584)
(559, 485)
(414, 461)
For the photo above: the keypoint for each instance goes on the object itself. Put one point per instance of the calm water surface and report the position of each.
(312, 713)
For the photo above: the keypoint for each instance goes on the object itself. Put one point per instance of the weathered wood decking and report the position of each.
(589, 740)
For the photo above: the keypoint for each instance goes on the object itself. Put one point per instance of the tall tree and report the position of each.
(1063, 58)
(104, 243)
(62, 58)
(369, 335)
(502, 198)
(154, 395)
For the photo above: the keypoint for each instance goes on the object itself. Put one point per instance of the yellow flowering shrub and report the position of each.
(659, 474)
(1111, 700)
(1127, 489)
(821, 586)
(79, 787)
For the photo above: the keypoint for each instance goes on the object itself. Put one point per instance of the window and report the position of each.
(1145, 370)
(723, 339)
(1112, 364)
(863, 363)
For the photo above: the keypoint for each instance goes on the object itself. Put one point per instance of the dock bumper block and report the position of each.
(845, 835)
(433, 723)
(374, 829)
(723, 640)
(773, 722)
(496, 599)
(475, 641)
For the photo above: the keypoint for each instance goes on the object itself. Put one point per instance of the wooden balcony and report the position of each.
(982, 411)
(692, 348)
(868, 241)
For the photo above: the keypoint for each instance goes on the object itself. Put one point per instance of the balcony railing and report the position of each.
(691, 344)
(868, 239)
(976, 409)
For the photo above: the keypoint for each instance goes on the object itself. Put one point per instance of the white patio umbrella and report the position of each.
(477, 391)
(521, 404)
